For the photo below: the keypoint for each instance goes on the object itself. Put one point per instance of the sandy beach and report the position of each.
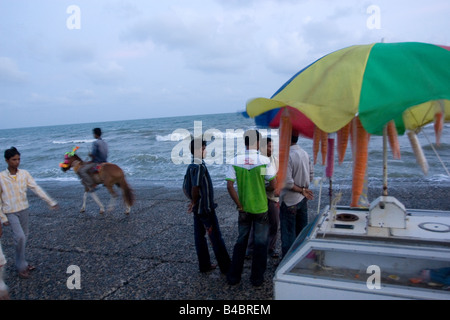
(148, 255)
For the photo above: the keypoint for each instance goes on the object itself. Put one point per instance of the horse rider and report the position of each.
(98, 154)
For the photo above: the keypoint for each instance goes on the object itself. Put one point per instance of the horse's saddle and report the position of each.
(94, 172)
(96, 169)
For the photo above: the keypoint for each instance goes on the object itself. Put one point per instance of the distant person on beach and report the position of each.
(295, 194)
(198, 188)
(98, 154)
(14, 205)
(274, 208)
(3, 287)
(250, 171)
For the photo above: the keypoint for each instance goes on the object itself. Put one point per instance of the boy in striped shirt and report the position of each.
(199, 189)
(14, 204)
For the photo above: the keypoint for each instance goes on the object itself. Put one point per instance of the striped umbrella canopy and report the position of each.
(378, 82)
(404, 84)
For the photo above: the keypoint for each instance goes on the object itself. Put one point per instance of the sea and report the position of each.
(156, 151)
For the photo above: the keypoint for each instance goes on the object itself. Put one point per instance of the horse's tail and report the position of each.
(128, 194)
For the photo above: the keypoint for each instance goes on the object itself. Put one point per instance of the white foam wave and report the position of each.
(171, 137)
(439, 178)
(217, 134)
(68, 179)
(73, 141)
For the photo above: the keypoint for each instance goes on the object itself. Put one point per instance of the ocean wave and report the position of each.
(146, 158)
(59, 179)
(229, 134)
(171, 137)
(439, 178)
(73, 141)
(143, 149)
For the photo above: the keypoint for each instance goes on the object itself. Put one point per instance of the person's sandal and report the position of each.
(4, 295)
(24, 274)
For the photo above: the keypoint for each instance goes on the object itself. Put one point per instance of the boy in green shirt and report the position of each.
(250, 171)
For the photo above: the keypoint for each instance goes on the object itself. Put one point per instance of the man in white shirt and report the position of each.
(294, 196)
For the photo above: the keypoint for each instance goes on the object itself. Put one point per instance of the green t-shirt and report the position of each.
(251, 171)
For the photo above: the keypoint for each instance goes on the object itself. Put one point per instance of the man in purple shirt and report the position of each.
(99, 154)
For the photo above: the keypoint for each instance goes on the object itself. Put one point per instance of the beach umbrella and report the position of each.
(363, 90)
(301, 124)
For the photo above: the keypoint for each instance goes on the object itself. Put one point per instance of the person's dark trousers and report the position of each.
(208, 223)
(292, 221)
(274, 222)
(260, 224)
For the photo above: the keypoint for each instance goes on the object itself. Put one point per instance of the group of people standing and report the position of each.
(261, 211)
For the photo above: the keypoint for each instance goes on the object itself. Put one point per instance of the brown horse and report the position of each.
(108, 174)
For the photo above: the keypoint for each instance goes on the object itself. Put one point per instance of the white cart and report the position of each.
(374, 253)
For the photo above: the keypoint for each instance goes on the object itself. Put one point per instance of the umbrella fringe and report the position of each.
(418, 152)
(320, 142)
(360, 148)
(393, 139)
(285, 143)
(437, 154)
(342, 141)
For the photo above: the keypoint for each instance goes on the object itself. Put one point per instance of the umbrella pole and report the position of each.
(330, 191)
(385, 187)
(330, 163)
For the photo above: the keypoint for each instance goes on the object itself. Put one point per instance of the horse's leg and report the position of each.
(112, 175)
(97, 200)
(127, 211)
(83, 208)
(112, 201)
(127, 196)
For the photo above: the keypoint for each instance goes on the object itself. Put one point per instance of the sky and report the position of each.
(79, 61)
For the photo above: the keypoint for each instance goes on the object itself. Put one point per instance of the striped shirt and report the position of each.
(13, 192)
(200, 177)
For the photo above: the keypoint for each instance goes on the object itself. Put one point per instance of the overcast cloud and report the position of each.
(136, 59)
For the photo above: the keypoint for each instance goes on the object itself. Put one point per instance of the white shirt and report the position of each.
(299, 172)
(13, 192)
